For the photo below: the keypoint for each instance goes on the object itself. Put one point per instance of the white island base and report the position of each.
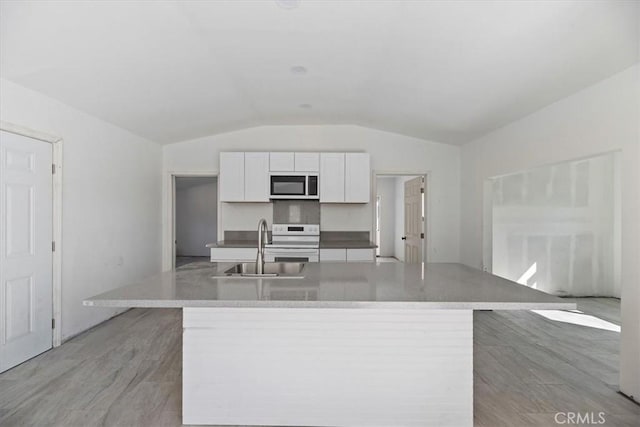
(328, 366)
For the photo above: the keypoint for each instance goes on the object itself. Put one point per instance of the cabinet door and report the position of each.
(357, 178)
(307, 162)
(332, 177)
(333, 255)
(281, 162)
(361, 255)
(231, 177)
(256, 177)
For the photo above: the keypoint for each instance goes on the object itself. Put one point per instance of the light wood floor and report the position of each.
(386, 259)
(184, 260)
(127, 372)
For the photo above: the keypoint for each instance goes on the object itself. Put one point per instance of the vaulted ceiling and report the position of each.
(447, 71)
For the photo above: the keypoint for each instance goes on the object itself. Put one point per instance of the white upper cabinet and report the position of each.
(281, 162)
(307, 162)
(231, 177)
(256, 177)
(244, 177)
(344, 177)
(357, 178)
(294, 162)
(332, 177)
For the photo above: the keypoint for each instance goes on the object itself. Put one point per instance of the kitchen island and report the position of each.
(346, 344)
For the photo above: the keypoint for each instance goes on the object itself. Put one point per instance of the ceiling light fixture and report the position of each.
(298, 69)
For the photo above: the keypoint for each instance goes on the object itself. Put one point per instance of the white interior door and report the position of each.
(25, 248)
(413, 234)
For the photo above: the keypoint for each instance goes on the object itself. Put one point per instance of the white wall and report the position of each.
(386, 190)
(111, 201)
(389, 153)
(598, 119)
(554, 227)
(196, 215)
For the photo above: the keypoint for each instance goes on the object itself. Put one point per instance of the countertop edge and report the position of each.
(412, 305)
(355, 244)
(347, 245)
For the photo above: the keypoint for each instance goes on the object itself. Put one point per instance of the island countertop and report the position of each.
(335, 285)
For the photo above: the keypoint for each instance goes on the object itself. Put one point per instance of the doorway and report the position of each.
(196, 218)
(26, 253)
(400, 218)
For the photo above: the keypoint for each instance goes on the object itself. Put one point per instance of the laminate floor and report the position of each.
(181, 261)
(127, 371)
(386, 259)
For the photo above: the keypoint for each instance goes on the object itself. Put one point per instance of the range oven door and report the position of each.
(291, 255)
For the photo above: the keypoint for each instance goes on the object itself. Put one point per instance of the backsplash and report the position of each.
(242, 235)
(296, 212)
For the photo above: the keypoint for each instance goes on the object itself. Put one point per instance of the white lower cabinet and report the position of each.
(361, 255)
(326, 255)
(347, 255)
(333, 255)
(233, 254)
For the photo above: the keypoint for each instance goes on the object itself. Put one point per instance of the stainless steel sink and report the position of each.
(285, 270)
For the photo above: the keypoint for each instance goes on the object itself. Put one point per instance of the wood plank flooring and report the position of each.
(527, 367)
(127, 372)
(181, 261)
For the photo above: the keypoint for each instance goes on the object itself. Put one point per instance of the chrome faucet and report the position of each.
(263, 236)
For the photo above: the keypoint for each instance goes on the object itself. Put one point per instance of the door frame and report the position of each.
(169, 216)
(487, 225)
(57, 145)
(426, 226)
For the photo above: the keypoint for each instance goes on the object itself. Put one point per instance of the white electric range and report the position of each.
(293, 243)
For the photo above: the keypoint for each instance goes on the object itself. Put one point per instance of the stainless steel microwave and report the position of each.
(286, 185)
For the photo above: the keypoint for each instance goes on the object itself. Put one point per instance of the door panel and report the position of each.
(19, 220)
(413, 220)
(332, 177)
(357, 178)
(231, 178)
(19, 317)
(25, 255)
(281, 162)
(256, 177)
(307, 162)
